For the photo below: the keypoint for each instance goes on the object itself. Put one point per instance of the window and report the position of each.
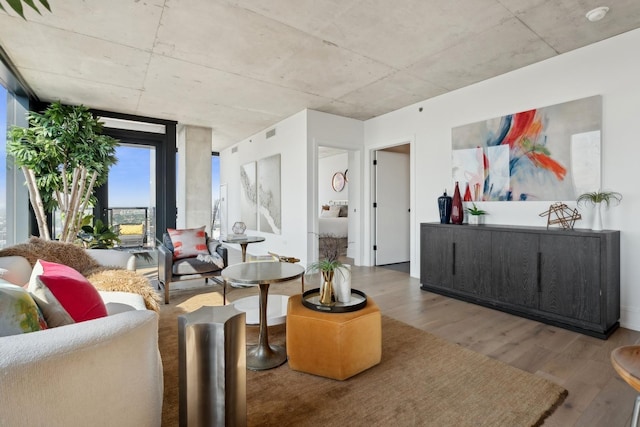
(14, 199)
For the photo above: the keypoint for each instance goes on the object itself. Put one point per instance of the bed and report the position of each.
(333, 220)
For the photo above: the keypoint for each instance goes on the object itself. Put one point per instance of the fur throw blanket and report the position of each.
(103, 278)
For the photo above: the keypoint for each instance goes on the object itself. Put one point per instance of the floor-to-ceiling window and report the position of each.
(3, 166)
(132, 195)
(14, 201)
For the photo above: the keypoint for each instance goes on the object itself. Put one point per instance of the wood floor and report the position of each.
(597, 396)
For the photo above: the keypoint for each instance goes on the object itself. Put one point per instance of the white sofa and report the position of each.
(102, 372)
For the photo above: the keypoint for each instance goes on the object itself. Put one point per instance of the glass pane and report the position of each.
(3, 167)
(132, 197)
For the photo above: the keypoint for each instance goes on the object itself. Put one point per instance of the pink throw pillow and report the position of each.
(188, 242)
(74, 292)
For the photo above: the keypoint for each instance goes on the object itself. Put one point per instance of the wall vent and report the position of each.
(234, 150)
(271, 133)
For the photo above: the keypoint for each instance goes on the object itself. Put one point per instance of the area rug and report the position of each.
(422, 380)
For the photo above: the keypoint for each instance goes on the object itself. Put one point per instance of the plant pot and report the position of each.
(476, 219)
(327, 296)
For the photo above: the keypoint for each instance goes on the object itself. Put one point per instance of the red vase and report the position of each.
(467, 194)
(457, 214)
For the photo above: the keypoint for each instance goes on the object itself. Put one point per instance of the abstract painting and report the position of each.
(269, 194)
(248, 196)
(545, 154)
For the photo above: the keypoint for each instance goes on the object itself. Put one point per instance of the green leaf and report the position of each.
(16, 5)
(45, 3)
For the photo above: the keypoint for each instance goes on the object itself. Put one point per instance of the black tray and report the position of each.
(311, 299)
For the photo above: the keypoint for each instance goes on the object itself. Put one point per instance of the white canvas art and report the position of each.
(269, 195)
(248, 196)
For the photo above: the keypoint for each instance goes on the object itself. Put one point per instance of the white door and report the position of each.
(392, 207)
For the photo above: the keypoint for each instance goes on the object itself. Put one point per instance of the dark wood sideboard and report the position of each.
(566, 278)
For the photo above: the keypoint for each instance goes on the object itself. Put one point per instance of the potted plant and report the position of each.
(596, 199)
(475, 214)
(97, 236)
(63, 156)
(328, 268)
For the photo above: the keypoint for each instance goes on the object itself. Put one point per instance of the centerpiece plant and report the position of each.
(327, 266)
(64, 156)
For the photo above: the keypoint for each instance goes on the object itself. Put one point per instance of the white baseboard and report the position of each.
(630, 318)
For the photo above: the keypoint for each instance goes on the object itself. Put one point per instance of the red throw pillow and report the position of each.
(188, 242)
(74, 292)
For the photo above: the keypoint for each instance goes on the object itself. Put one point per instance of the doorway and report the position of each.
(392, 207)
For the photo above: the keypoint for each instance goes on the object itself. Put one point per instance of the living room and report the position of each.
(606, 68)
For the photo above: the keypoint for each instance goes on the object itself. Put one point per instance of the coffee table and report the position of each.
(244, 242)
(263, 356)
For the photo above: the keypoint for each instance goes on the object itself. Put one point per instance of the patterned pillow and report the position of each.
(74, 292)
(188, 242)
(19, 313)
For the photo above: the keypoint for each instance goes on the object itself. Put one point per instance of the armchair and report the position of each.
(178, 270)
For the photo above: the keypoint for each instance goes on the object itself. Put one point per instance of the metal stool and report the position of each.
(626, 362)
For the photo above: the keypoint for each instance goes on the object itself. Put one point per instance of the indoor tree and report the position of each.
(18, 7)
(64, 156)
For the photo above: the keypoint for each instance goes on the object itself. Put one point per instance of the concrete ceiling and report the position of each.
(239, 66)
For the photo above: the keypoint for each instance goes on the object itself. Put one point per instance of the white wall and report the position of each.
(289, 142)
(338, 132)
(297, 138)
(610, 68)
(327, 167)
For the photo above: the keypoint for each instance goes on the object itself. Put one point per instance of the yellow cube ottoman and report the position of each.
(333, 345)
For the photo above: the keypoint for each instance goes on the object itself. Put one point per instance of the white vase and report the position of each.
(475, 219)
(597, 217)
(342, 283)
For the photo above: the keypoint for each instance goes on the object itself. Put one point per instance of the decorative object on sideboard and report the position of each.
(476, 215)
(560, 213)
(444, 207)
(239, 227)
(457, 214)
(467, 194)
(596, 199)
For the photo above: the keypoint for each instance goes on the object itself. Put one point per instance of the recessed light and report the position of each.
(597, 14)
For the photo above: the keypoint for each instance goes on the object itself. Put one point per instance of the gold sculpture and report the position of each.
(564, 215)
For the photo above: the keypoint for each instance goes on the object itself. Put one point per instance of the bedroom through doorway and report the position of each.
(333, 200)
